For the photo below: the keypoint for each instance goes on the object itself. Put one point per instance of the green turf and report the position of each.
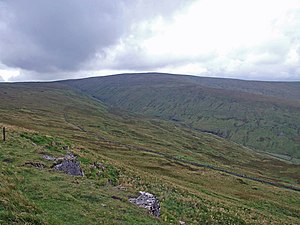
(44, 118)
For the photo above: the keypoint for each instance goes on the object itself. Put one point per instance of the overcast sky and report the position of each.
(247, 39)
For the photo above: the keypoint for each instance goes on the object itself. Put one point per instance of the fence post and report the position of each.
(3, 131)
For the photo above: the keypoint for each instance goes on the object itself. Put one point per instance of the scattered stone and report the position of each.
(122, 188)
(92, 166)
(35, 164)
(147, 201)
(59, 159)
(99, 165)
(69, 165)
(116, 197)
(66, 148)
(69, 156)
(48, 157)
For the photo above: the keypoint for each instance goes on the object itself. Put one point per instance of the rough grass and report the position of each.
(33, 196)
(195, 195)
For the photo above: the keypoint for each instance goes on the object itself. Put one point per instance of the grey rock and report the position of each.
(48, 157)
(69, 165)
(147, 201)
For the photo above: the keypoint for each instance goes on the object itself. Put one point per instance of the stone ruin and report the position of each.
(147, 201)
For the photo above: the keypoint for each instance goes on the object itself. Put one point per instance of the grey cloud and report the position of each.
(134, 57)
(51, 36)
(51, 39)
(26, 75)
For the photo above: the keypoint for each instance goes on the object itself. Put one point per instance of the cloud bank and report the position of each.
(46, 40)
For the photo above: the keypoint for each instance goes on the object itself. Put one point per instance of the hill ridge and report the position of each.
(267, 122)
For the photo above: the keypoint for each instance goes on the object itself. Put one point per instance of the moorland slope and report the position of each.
(261, 115)
(139, 154)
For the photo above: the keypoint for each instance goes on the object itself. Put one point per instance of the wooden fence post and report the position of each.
(3, 131)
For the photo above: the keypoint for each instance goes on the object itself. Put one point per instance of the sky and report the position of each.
(43, 40)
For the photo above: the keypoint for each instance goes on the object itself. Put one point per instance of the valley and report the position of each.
(266, 122)
(199, 178)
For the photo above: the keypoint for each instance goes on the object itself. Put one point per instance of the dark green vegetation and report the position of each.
(261, 115)
(44, 118)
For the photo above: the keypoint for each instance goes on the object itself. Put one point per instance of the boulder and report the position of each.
(69, 165)
(147, 201)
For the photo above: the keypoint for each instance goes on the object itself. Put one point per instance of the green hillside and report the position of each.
(261, 115)
(194, 174)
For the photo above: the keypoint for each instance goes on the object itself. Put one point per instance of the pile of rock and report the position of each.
(67, 164)
(147, 201)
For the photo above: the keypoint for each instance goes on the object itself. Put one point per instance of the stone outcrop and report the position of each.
(147, 201)
(69, 165)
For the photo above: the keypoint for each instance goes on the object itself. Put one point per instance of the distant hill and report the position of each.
(261, 115)
(286, 90)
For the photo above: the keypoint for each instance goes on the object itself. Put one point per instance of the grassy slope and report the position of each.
(95, 134)
(265, 122)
